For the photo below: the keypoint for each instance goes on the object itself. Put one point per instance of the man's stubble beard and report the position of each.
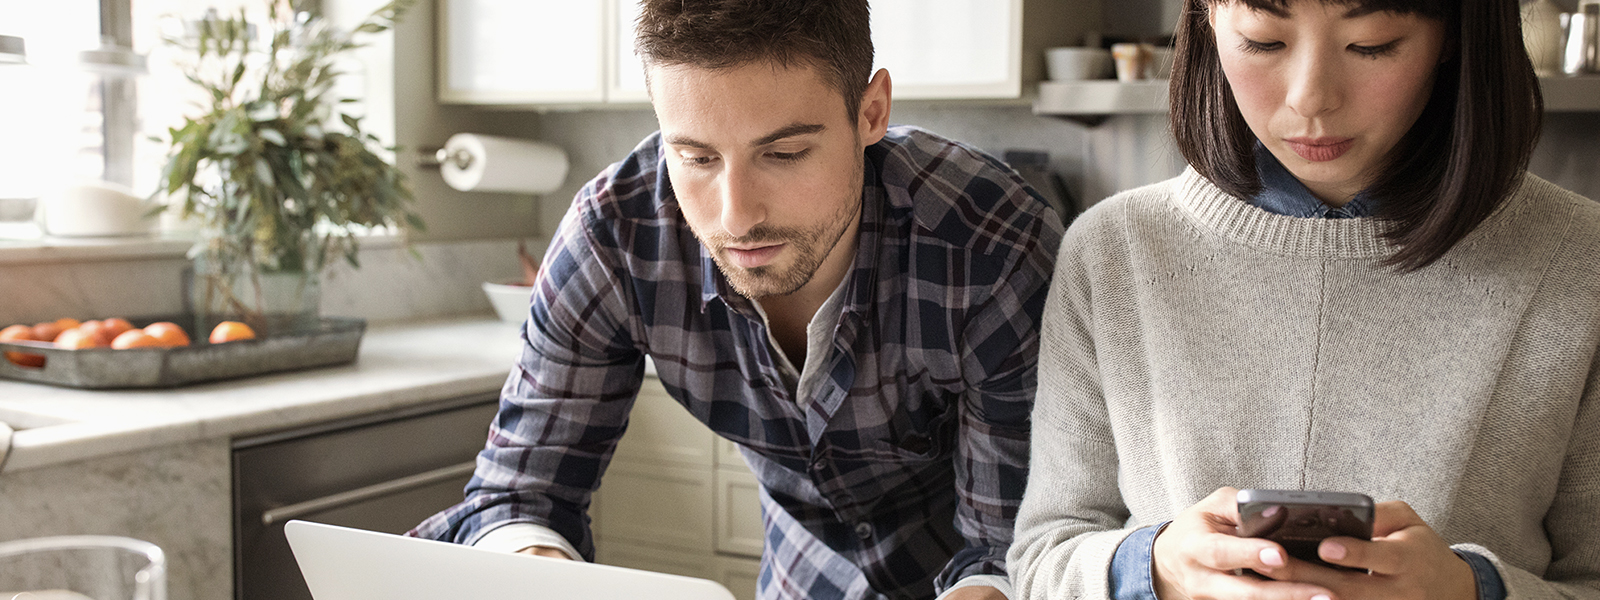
(810, 253)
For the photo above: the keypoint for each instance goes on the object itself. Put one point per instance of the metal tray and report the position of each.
(332, 341)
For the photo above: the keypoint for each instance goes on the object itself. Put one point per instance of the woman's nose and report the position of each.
(1313, 88)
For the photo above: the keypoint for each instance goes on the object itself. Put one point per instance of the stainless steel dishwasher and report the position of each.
(383, 472)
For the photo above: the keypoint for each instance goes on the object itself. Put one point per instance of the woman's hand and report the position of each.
(1197, 555)
(1407, 560)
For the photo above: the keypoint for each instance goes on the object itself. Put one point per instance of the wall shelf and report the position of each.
(1092, 102)
(1571, 94)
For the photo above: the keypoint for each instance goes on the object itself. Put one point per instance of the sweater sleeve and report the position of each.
(1573, 520)
(1072, 516)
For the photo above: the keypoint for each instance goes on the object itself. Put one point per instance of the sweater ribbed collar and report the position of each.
(1239, 221)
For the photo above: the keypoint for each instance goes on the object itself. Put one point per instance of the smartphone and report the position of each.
(1298, 520)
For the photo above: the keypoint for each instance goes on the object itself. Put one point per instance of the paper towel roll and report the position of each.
(498, 164)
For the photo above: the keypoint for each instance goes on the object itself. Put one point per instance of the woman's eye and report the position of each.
(1255, 47)
(699, 161)
(1374, 51)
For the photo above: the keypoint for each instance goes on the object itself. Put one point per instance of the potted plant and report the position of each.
(281, 180)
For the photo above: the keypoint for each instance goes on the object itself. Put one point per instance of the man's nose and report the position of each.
(742, 208)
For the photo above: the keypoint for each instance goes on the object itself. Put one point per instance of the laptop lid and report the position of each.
(340, 563)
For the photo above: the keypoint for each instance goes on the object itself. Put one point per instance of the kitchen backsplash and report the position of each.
(391, 285)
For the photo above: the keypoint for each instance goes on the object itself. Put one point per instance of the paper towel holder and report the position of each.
(434, 158)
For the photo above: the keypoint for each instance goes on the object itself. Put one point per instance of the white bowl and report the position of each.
(511, 302)
(1076, 64)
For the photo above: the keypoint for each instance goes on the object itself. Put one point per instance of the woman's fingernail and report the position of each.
(1321, 597)
(1333, 550)
(1272, 557)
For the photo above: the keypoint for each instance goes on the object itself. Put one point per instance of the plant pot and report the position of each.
(267, 301)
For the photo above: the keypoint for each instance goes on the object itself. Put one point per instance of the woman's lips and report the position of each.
(750, 258)
(1321, 149)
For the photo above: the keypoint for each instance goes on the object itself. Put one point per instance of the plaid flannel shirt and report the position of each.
(899, 477)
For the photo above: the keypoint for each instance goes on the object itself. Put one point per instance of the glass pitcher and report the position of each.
(82, 567)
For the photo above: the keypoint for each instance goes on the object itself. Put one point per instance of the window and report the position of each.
(77, 125)
(46, 132)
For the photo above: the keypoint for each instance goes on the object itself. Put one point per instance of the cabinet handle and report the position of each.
(387, 488)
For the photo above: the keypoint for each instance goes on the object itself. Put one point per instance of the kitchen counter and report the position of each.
(399, 365)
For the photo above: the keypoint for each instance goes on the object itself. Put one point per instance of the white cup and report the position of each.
(1076, 64)
(1133, 61)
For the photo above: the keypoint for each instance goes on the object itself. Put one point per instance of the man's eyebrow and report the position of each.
(678, 140)
(789, 131)
(782, 132)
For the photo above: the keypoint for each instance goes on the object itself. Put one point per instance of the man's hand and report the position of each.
(1407, 560)
(1197, 554)
(975, 592)
(546, 551)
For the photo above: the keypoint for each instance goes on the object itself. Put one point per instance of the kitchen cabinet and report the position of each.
(678, 499)
(576, 53)
(537, 52)
(394, 469)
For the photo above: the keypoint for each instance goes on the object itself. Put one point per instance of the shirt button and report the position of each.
(864, 530)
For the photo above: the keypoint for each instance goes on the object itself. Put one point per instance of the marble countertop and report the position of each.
(399, 365)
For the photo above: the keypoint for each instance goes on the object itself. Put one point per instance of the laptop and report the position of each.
(351, 564)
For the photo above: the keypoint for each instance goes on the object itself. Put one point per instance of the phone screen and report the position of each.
(1299, 520)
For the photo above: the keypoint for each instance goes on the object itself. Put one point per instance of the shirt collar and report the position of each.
(1283, 194)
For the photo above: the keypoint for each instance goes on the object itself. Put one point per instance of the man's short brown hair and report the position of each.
(832, 36)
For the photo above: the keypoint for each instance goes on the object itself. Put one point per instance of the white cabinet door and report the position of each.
(739, 575)
(738, 512)
(660, 560)
(950, 48)
(522, 51)
(627, 71)
(657, 505)
(660, 430)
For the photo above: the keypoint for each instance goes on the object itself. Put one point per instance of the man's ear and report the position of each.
(872, 120)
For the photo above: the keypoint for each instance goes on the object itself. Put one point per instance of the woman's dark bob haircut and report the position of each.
(1463, 157)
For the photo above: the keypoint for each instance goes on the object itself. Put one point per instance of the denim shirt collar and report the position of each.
(1283, 194)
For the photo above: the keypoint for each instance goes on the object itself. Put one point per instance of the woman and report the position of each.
(1355, 288)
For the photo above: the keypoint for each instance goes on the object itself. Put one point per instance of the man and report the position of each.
(856, 306)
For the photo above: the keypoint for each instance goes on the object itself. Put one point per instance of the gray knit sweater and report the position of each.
(1192, 341)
